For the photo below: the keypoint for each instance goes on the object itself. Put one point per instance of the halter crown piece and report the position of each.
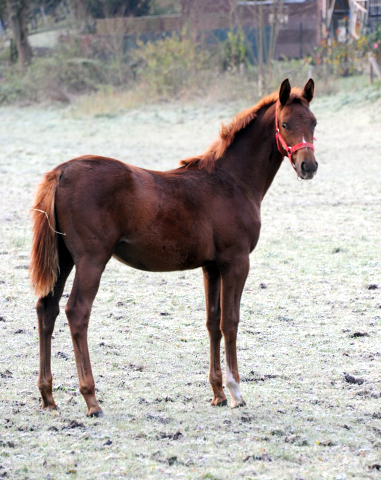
(281, 142)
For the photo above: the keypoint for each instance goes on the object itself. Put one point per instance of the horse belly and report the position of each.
(165, 257)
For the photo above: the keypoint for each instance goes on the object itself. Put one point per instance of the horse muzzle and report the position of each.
(306, 166)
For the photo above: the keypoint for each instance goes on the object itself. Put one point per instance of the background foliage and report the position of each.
(168, 66)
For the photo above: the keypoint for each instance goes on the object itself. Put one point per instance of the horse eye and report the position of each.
(315, 124)
(284, 125)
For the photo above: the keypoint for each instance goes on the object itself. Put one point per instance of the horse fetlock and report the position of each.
(235, 393)
(93, 408)
(87, 390)
(215, 379)
(234, 389)
(45, 386)
(48, 402)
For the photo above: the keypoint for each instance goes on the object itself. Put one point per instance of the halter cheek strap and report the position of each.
(281, 142)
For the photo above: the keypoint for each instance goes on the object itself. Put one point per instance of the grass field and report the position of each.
(311, 310)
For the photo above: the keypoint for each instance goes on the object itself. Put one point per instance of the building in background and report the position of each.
(296, 27)
(346, 19)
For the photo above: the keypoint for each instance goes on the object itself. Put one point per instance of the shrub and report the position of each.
(170, 64)
(235, 51)
(344, 58)
(76, 66)
(46, 77)
(374, 43)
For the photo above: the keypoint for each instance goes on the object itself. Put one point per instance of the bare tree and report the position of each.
(117, 29)
(18, 16)
(265, 17)
(81, 16)
(80, 8)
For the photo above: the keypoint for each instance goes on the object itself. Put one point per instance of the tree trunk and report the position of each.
(18, 16)
(81, 15)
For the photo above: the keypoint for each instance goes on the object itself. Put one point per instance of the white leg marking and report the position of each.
(234, 389)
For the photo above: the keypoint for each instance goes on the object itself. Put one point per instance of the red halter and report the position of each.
(280, 141)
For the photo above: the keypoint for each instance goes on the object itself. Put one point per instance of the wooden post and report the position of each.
(301, 39)
(12, 50)
(310, 71)
(373, 68)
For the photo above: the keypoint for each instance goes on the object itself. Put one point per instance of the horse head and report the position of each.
(295, 124)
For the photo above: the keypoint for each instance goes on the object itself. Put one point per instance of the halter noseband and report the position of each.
(281, 142)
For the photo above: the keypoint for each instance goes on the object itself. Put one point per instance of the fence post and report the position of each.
(13, 50)
(310, 71)
(373, 68)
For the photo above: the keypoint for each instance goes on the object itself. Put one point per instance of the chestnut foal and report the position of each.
(206, 213)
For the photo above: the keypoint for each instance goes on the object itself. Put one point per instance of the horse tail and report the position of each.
(44, 265)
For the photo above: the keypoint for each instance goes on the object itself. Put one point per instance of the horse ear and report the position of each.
(284, 91)
(309, 89)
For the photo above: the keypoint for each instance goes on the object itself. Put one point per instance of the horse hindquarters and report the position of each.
(51, 264)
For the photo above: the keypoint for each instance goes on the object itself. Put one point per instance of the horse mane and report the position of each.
(227, 134)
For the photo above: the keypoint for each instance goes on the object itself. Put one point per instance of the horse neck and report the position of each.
(253, 159)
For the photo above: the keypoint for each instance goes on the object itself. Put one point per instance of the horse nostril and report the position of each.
(303, 167)
(316, 165)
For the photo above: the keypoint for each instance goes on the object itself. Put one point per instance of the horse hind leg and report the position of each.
(212, 282)
(47, 312)
(78, 309)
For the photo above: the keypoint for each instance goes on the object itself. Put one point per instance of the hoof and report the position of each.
(49, 408)
(97, 413)
(219, 401)
(237, 404)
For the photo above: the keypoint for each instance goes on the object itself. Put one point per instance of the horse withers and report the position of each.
(206, 213)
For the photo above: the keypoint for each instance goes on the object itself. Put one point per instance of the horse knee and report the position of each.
(230, 331)
(213, 321)
(214, 332)
(45, 384)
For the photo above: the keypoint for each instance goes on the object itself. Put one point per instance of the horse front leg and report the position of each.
(47, 312)
(233, 281)
(212, 286)
(78, 309)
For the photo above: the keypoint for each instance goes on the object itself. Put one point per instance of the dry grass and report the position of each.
(107, 102)
(210, 89)
(318, 254)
